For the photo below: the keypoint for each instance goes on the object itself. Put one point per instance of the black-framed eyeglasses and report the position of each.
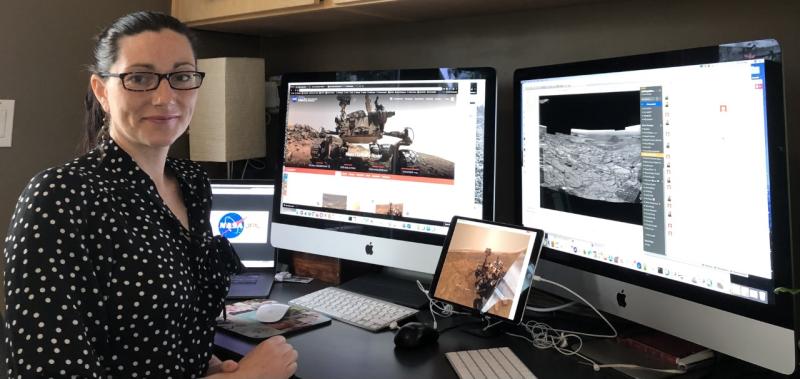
(148, 81)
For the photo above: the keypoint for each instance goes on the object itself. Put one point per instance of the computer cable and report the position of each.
(438, 308)
(613, 334)
(490, 324)
(254, 163)
(551, 309)
(543, 336)
(244, 169)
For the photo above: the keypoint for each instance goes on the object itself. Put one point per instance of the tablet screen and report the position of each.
(487, 267)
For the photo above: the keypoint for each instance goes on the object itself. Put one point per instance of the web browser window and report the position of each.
(385, 153)
(654, 170)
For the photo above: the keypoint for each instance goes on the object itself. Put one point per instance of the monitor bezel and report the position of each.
(534, 260)
(780, 312)
(444, 73)
(242, 181)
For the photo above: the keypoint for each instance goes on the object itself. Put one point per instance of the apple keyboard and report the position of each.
(492, 363)
(352, 308)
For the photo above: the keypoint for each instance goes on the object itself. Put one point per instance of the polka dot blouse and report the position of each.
(103, 281)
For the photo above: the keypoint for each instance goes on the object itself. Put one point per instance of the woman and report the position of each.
(112, 270)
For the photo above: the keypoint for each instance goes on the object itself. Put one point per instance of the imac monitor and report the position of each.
(240, 212)
(661, 181)
(487, 267)
(375, 164)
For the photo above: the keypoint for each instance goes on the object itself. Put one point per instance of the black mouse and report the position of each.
(415, 334)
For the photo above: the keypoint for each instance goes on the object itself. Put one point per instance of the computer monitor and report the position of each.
(661, 181)
(241, 211)
(374, 164)
(487, 267)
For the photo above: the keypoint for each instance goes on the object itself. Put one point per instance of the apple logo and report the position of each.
(368, 248)
(621, 299)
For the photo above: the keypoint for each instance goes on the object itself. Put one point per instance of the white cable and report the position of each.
(438, 308)
(614, 330)
(597, 367)
(543, 336)
(551, 309)
(489, 325)
(257, 164)
(246, 162)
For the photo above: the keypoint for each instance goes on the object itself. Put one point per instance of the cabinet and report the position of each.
(270, 17)
(205, 12)
(275, 17)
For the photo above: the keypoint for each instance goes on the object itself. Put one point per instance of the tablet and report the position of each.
(487, 267)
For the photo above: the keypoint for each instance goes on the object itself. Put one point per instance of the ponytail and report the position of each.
(95, 123)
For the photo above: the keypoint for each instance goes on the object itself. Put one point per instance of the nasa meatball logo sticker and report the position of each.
(231, 225)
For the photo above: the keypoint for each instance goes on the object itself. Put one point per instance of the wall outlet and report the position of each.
(6, 122)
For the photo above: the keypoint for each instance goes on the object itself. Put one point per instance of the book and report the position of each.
(668, 349)
(241, 320)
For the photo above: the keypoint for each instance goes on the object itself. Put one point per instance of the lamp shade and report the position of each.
(229, 121)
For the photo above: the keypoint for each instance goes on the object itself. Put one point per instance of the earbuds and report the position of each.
(543, 336)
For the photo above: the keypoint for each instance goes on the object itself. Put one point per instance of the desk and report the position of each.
(343, 351)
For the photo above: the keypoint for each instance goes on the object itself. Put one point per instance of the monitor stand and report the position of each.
(389, 286)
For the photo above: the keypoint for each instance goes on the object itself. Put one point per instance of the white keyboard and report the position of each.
(499, 363)
(352, 308)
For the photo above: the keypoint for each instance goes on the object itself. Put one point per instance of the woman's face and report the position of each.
(150, 119)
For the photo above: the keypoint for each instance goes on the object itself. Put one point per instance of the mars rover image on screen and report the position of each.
(361, 141)
(391, 209)
(334, 201)
(483, 268)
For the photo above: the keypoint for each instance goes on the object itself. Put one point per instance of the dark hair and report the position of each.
(105, 53)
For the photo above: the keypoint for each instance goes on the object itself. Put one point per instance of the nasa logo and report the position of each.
(231, 225)
(621, 299)
(368, 248)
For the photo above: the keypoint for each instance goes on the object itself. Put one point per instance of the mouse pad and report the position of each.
(241, 320)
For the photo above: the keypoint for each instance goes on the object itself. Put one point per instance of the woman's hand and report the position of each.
(271, 359)
(216, 366)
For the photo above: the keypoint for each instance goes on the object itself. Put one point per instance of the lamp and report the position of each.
(229, 119)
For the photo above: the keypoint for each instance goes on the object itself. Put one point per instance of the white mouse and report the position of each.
(271, 312)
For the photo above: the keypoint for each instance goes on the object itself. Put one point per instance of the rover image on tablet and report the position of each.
(487, 266)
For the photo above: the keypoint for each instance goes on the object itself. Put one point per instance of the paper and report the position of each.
(6, 122)
(298, 279)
